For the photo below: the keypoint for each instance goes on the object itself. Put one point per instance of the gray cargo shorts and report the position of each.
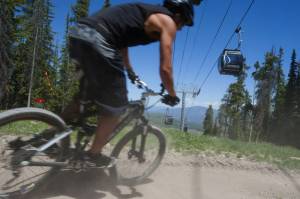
(102, 64)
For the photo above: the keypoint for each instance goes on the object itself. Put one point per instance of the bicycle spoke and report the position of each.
(29, 178)
(133, 166)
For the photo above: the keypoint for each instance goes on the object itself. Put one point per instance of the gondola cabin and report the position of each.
(231, 62)
(185, 128)
(169, 120)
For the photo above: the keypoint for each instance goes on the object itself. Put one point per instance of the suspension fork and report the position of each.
(144, 127)
(140, 152)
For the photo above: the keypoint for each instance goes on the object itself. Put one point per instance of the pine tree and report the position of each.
(54, 103)
(223, 119)
(208, 121)
(298, 89)
(216, 131)
(278, 100)
(291, 87)
(290, 106)
(45, 71)
(106, 4)
(297, 127)
(8, 25)
(80, 9)
(246, 117)
(68, 84)
(232, 110)
(265, 77)
(33, 54)
(18, 82)
(253, 128)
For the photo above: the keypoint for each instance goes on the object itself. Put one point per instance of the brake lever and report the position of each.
(139, 83)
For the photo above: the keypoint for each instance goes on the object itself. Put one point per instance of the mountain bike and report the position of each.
(27, 160)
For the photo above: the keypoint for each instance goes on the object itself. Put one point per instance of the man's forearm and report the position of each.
(167, 80)
(166, 71)
(126, 60)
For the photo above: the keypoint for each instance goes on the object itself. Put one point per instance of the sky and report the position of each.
(269, 24)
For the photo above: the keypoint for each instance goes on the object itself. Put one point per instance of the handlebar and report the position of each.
(148, 92)
(166, 99)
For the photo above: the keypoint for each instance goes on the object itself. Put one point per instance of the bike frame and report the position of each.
(135, 110)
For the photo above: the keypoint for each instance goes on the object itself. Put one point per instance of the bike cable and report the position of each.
(154, 104)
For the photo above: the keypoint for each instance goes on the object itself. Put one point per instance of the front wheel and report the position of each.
(138, 154)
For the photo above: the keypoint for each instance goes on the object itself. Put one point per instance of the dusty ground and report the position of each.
(183, 177)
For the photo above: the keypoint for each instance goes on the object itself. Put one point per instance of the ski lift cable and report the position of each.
(213, 41)
(181, 62)
(240, 23)
(234, 32)
(197, 33)
(182, 58)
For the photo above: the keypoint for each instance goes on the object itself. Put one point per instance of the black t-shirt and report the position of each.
(123, 25)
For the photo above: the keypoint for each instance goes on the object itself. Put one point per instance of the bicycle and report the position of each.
(27, 161)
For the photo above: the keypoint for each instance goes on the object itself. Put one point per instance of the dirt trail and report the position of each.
(183, 177)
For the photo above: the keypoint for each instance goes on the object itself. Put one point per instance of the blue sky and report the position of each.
(269, 24)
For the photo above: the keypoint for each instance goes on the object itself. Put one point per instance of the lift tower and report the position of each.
(184, 92)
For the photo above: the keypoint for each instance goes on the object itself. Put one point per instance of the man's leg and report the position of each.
(71, 111)
(106, 125)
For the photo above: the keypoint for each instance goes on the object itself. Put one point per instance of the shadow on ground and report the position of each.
(91, 184)
(291, 178)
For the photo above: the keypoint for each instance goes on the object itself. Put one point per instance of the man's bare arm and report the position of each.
(126, 60)
(167, 28)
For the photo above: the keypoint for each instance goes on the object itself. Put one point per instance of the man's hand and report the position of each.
(170, 100)
(132, 76)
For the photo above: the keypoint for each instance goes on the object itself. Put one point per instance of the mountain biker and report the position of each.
(99, 45)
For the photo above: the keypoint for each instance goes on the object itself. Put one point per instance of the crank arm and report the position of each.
(44, 164)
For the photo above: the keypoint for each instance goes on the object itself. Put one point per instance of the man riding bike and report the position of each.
(99, 45)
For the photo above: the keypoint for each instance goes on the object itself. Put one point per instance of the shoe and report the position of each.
(99, 160)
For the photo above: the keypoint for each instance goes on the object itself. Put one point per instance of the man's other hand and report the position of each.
(170, 100)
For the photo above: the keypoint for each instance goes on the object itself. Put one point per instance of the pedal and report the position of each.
(110, 165)
(94, 166)
(76, 165)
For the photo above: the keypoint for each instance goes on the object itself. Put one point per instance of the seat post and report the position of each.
(83, 97)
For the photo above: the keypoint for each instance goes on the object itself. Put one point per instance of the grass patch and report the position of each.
(23, 128)
(287, 157)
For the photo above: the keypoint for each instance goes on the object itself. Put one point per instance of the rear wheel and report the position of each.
(138, 154)
(18, 128)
